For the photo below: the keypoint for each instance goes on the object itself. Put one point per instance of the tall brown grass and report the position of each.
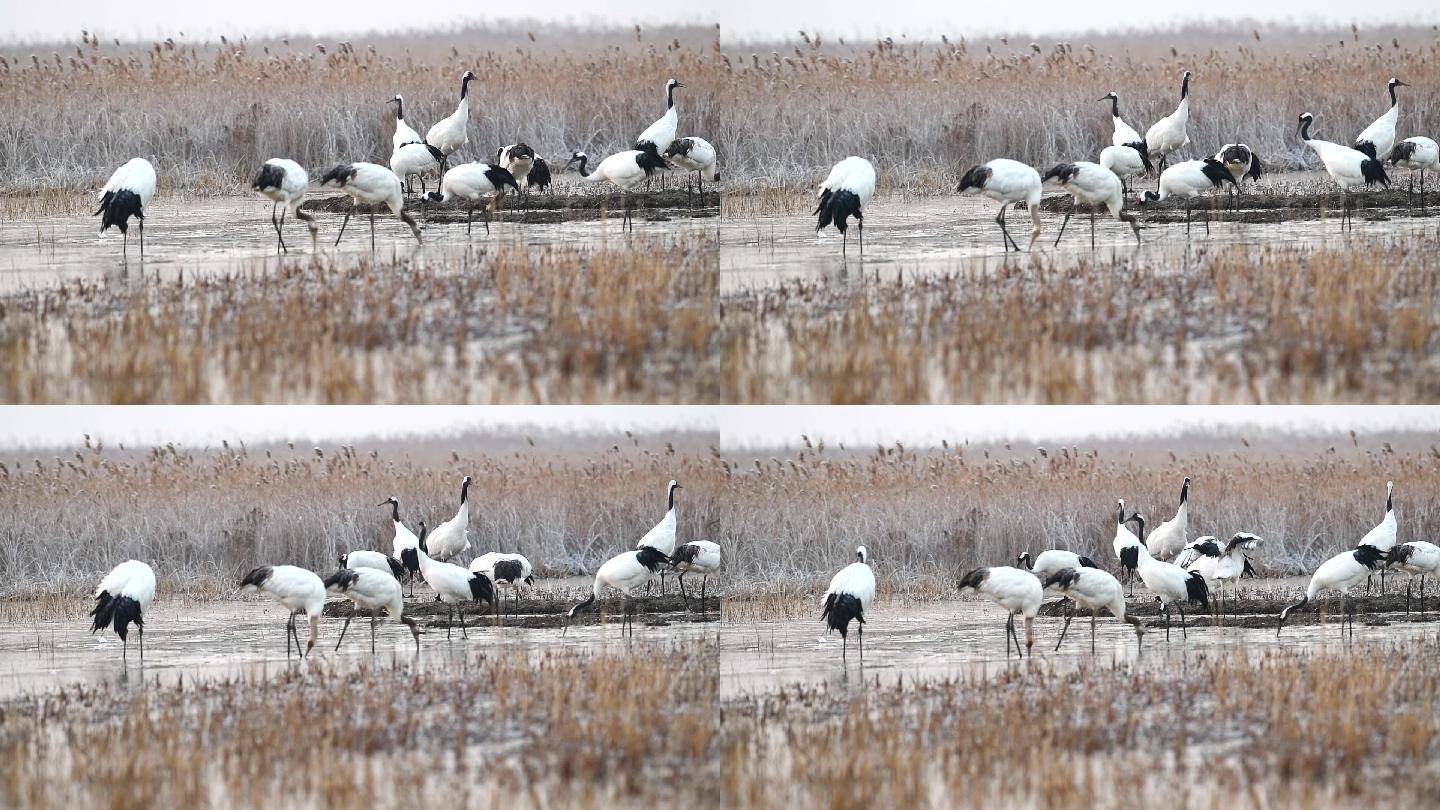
(558, 88)
(793, 516)
(625, 323)
(202, 517)
(1358, 323)
(924, 111)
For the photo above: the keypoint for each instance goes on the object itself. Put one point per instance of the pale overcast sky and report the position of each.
(739, 19)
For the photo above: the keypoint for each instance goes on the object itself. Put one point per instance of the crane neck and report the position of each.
(399, 109)
(395, 511)
(584, 172)
(1184, 88)
(465, 88)
(1114, 107)
(464, 491)
(1305, 130)
(670, 507)
(670, 96)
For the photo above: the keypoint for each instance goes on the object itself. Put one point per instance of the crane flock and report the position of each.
(1175, 571)
(851, 183)
(372, 580)
(517, 167)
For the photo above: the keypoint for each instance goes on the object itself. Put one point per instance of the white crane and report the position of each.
(661, 536)
(851, 591)
(1378, 139)
(1124, 161)
(661, 133)
(694, 154)
(1168, 134)
(1339, 573)
(121, 599)
(454, 585)
(1383, 536)
(1006, 182)
(1167, 539)
(1242, 162)
(283, 181)
(1416, 558)
(624, 170)
(1092, 184)
(415, 160)
(505, 569)
(365, 558)
(1231, 565)
(1052, 562)
(1094, 589)
(471, 181)
(404, 133)
(370, 590)
(1125, 135)
(297, 590)
(125, 195)
(1416, 154)
(624, 572)
(1188, 180)
(844, 194)
(452, 132)
(371, 184)
(1015, 591)
(1347, 167)
(696, 557)
(452, 538)
(405, 542)
(1171, 584)
(1126, 545)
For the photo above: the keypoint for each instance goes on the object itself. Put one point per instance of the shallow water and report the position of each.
(216, 234)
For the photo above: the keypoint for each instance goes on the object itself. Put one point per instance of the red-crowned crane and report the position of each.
(121, 599)
(283, 181)
(1094, 589)
(471, 182)
(297, 590)
(452, 538)
(1168, 134)
(1416, 558)
(370, 590)
(1188, 180)
(1015, 591)
(851, 591)
(125, 195)
(844, 194)
(452, 132)
(1006, 182)
(1092, 184)
(625, 573)
(696, 557)
(371, 184)
(1378, 139)
(1339, 573)
(1416, 154)
(1347, 167)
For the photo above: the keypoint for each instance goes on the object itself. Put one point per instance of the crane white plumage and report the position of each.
(365, 558)
(452, 132)
(625, 572)
(1125, 544)
(1339, 573)
(472, 181)
(624, 170)
(1124, 161)
(846, 192)
(662, 133)
(1167, 539)
(694, 154)
(518, 159)
(452, 538)
(505, 569)
(125, 195)
(374, 591)
(1171, 584)
(1378, 139)
(1016, 591)
(851, 591)
(1123, 134)
(696, 557)
(1242, 162)
(1188, 180)
(298, 591)
(1417, 154)
(284, 182)
(1051, 562)
(661, 536)
(371, 184)
(405, 543)
(1168, 134)
(404, 133)
(455, 585)
(1092, 184)
(1346, 166)
(1230, 567)
(122, 598)
(1416, 558)
(1006, 182)
(1384, 534)
(415, 160)
(1096, 590)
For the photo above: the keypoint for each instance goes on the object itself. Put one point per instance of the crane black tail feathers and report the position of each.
(508, 570)
(1130, 558)
(482, 589)
(840, 608)
(118, 206)
(1374, 171)
(397, 568)
(1196, 590)
(837, 207)
(1367, 147)
(1144, 150)
(1249, 570)
(1086, 562)
(119, 611)
(410, 558)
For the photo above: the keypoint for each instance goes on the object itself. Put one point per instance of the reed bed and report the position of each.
(559, 88)
(793, 516)
(203, 516)
(1353, 727)
(566, 729)
(924, 111)
(625, 323)
(1234, 325)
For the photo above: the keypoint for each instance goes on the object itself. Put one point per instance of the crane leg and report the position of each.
(345, 222)
(140, 632)
(1063, 631)
(460, 609)
(1093, 613)
(280, 232)
(141, 225)
(1411, 197)
(372, 231)
(860, 232)
(683, 595)
(469, 218)
(860, 629)
(844, 649)
(449, 622)
(662, 583)
(1183, 634)
(844, 243)
(1167, 622)
(341, 640)
(1187, 217)
(289, 628)
(374, 612)
(124, 247)
(1407, 600)
(1015, 637)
